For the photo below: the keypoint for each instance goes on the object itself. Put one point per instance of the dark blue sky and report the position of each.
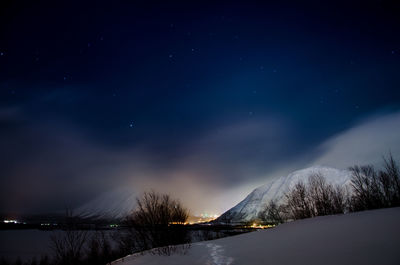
(155, 82)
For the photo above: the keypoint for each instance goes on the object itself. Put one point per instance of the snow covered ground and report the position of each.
(370, 237)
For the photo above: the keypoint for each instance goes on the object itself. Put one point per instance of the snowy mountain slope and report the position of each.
(110, 205)
(275, 189)
(367, 238)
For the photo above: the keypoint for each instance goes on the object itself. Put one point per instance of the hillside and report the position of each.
(275, 189)
(110, 205)
(365, 238)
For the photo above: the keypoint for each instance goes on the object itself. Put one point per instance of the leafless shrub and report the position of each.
(298, 202)
(99, 250)
(390, 180)
(367, 192)
(325, 199)
(168, 250)
(372, 189)
(272, 213)
(125, 241)
(68, 245)
(304, 200)
(158, 222)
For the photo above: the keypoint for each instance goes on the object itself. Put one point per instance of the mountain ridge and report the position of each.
(274, 189)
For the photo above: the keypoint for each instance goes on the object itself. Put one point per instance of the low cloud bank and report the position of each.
(365, 143)
(48, 167)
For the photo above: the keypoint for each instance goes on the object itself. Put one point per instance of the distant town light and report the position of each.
(10, 221)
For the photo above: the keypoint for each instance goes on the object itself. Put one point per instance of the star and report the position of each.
(131, 125)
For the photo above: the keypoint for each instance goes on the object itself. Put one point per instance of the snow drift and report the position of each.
(367, 238)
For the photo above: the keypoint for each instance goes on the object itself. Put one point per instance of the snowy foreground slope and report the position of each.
(275, 189)
(370, 237)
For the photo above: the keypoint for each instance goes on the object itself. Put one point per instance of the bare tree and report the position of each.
(390, 180)
(367, 189)
(158, 221)
(372, 189)
(68, 246)
(99, 250)
(325, 198)
(298, 202)
(316, 198)
(272, 213)
(340, 199)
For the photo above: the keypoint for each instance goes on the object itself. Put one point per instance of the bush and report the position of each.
(372, 189)
(272, 213)
(158, 222)
(325, 199)
(68, 246)
(298, 203)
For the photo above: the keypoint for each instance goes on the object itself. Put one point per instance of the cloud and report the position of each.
(234, 153)
(365, 143)
(62, 165)
(12, 113)
(46, 166)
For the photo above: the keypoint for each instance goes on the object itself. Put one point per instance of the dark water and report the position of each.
(25, 244)
(29, 244)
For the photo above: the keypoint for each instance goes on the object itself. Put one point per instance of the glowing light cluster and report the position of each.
(260, 226)
(10, 221)
(206, 215)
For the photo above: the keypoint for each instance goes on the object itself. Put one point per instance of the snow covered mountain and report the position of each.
(119, 203)
(110, 205)
(275, 189)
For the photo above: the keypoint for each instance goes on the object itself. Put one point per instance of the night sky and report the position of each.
(202, 100)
